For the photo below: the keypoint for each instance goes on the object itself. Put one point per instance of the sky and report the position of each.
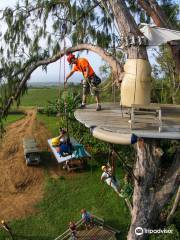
(52, 74)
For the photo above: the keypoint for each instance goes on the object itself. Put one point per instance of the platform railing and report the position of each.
(67, 233)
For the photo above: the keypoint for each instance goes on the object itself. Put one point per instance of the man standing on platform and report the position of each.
(91, 80)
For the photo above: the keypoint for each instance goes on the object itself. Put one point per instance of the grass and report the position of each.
(12, 118)
(52, 123)
(63, 200)
(39, 97)
(66, 196)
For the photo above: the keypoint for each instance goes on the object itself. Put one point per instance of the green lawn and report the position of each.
(66, 196)
(39, 96)
(63, 200)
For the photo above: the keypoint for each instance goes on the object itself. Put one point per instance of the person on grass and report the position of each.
(91, 80)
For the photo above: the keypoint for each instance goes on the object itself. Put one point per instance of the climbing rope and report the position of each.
(125, 165)
(65, 91)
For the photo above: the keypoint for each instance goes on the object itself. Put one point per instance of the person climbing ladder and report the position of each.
(91, 80)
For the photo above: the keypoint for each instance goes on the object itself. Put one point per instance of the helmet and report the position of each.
(55, 141)
(103, 167)
(70, 57)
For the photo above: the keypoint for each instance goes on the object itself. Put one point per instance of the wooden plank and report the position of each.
(148, 107)
(96, 233)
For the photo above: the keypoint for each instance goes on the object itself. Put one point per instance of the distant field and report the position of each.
(39, 96)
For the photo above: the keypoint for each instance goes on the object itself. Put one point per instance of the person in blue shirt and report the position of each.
(65, 146)
(87, 218)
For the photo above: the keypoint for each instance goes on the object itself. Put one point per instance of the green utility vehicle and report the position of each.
(32, 153)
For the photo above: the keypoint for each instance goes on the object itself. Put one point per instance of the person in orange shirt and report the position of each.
(82, 65)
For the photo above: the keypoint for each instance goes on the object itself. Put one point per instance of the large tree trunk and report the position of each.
(136, 84)
(151, 192)
(146, 170)
(128, 27)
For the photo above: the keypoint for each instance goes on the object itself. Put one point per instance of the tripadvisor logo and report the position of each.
(139, 231)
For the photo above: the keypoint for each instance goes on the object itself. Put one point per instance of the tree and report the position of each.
(168, 80)
(89, 25)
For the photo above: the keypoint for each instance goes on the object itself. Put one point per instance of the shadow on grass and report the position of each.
(23, 237)
(48, 160)
(50, 163)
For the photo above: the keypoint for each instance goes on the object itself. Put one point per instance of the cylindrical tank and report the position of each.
(136, 85)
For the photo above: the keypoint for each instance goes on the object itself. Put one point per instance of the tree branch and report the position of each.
(175, 205)
(160, 14)
(153, 10)
(146, 6)
(171, 183)
(100, 51)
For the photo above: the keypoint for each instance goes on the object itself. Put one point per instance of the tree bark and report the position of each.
(128, 27)
(148, 200)
(146, 170)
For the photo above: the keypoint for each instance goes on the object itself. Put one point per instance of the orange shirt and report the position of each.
(81, 65)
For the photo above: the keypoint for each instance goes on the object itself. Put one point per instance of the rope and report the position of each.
(59, 88)
(114, 48)
(100, 89)
(65, 91)
(117, 69)
(126, 166)
(114, 52)
(135, 82)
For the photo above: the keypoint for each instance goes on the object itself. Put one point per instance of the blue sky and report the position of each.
(53, 69)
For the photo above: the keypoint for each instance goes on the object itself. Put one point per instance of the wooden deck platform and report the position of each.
(113, 119)
(96, 233)
(99, 231)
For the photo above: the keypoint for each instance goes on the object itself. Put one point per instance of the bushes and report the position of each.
(58, 106)
(167, 236)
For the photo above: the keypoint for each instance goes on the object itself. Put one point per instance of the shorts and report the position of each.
(114, 184)
(90, 88)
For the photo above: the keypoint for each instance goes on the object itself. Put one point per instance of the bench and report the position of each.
(146, 114)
